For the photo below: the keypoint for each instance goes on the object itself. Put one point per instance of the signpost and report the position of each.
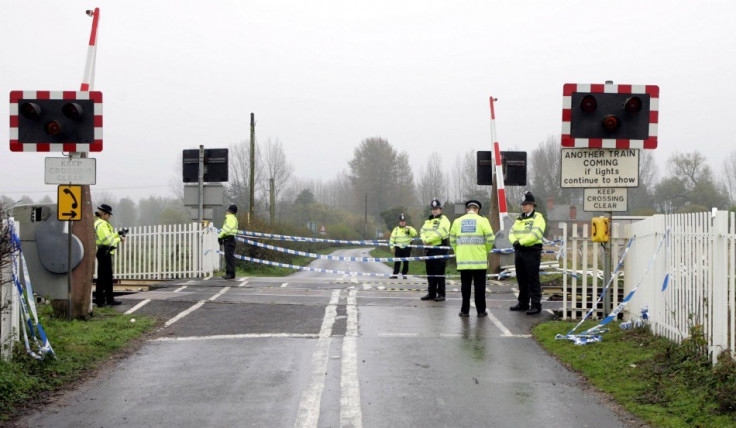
(606, 125)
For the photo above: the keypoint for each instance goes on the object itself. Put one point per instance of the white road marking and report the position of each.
(398, 334)
(243, 283)
(506, 332)
(284, 284)
(309, 405)
(138, 306)
(351, 414)
(194, 307)
(233, 336)
(179, 289)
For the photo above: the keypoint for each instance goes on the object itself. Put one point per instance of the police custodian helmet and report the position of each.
(528, 199)
(436, 203)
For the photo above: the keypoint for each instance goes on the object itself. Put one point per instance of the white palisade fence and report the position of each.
(167, 252)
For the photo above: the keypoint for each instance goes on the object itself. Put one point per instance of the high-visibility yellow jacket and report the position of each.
(435, 230)
(472, 238)
(105, 234)
(230, 226)
(401, 236)
(528, 231)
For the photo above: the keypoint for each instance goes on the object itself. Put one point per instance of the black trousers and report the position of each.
(436, 284)
(229, 244)
(469, 277)
(103, 288)
(527, 274)
(401, 252)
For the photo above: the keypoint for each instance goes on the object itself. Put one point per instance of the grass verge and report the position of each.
(663, 383)
(80, 347)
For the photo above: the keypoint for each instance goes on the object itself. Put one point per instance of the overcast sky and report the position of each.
(321, 76)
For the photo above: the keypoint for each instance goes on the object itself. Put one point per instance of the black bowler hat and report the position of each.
(473, 202)
(105, 209)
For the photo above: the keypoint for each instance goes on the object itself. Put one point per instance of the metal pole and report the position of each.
(273, 201)
(607, 307)
(69, 272)
(200, 181)
(251, 208)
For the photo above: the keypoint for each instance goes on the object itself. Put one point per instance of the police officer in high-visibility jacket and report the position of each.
(106, 240)
(472, 238)
(226, 238)
(400, 240)
(526, 237)
(436, 233)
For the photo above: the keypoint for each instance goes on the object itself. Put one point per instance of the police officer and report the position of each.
(226, 238)
(526, 237)
(400, 239)
(436, 233)
(471, 237)
(106, 240)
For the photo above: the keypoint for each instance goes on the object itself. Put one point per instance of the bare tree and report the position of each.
(640, 198)
(381, 176)
(543, 174)
(465, 181)
(432, 181)
(237, 189)
(274, 166)
(690, 185)
(729, 167)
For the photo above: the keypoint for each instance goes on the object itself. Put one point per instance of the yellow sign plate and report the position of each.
(69, 205)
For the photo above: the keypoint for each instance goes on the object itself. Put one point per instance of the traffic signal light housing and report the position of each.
(63, 121)
(484, 168)
(513, 165)
(215, 165)
(610, 116)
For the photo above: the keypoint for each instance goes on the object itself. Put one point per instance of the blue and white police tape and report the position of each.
(339, 272)
(342, 258)
(614, 314)
(26, 299)
(371, 243)
(310, 269)
(640, 322)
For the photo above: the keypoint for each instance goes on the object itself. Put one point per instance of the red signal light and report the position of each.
(53, 128)
(632, 105)
(72, 111)
(588, 104)
(610, 123)
(30, 110)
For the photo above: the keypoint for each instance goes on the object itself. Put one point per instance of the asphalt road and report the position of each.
(319, 350)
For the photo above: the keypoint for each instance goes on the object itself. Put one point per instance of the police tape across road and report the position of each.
(371, 243)
(341, 258)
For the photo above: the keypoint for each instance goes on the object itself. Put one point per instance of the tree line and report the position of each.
(365, 199)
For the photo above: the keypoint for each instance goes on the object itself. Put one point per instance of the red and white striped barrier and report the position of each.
(502, 209)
